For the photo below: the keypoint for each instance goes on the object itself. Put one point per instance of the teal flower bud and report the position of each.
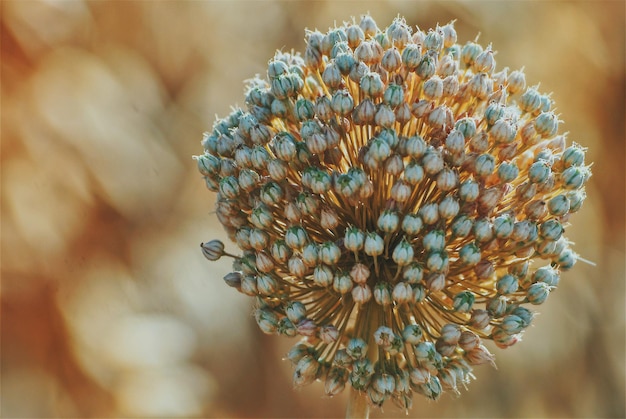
(559, 205)
(323, 275)
(295, 311)
(342, 102)
(551, 230)
(450, 86)
(566, 259)
(503, 226)
(248, 179)
(547, 275)
(342, 283)
(384, 383)
(497, 306)
(384, 336)
(296, 237)
(306, 371)
(512, 324)
(372, 85)
(403, 253)
(469, 254)
(304, 109)
(411, 56)
(574, 177)
(229, 187)
(415, 147)
(258, 239)
(412, 334)
(503, 131)
(538, 293)
(546, 124)
(576, 199)
(357, 349)
(470, 52)
(507, 172)
(391, 60)
(413, 173)
(379, 149)
(336, 381)
(355, 34)
(419, 293)
(208, 165)
(425, 351)
(413, 273)
(382, 294)
(483, 230)
(213, 250)
(449, 207)
(345, 62)
(429, 213)
(469, 190)
(507, 284)
(323, 108)
(461, 226)
(332, 75)
(437, 261)
(480, 86)
(412, 224)
(426, 67)
(388, 221)
(354, 239)
(525, 314)
(267, 321)
(419, 375)
(539, 171)
(266, 284)
(329, 253)
(393, 96)
(310, 254)
(484, 165)
(271, 193)
(296, 266)
(572, 156)
(434, 241)
(447, 179)
(530, 101)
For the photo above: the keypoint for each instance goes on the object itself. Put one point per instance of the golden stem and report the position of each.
(357, 405)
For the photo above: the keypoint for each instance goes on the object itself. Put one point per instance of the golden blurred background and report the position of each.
(108, 307)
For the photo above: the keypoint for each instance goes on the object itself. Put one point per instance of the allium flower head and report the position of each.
(398, 200)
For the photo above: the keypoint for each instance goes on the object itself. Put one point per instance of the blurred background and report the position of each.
(108, 307)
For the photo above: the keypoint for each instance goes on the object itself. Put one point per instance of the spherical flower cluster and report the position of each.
(397, 201)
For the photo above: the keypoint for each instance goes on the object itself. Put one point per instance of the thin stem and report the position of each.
(358, 406)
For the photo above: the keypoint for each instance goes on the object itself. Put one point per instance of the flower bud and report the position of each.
(413, 273)
(213, 250)
(463, 302)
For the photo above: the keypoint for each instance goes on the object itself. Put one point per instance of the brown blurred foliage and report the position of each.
(109, 309)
